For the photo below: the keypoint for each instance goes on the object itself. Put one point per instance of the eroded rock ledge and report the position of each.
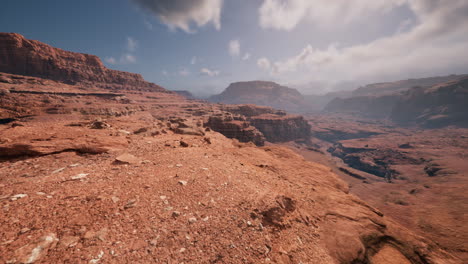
(33, 58)
(259, 124)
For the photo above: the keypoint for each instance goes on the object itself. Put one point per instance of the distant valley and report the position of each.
(429, 102)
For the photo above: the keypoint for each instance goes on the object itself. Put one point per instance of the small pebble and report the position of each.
(183, 183)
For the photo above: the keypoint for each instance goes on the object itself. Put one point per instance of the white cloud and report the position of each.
(431, 46)
(234, 48)
(193, 61)
(110, 60)
(184, 72)
(208, 72)
(264, 64)
(132, 44)
(286, 15)
(182, 14)
(246, 56)
(127, 58)
(124, 59)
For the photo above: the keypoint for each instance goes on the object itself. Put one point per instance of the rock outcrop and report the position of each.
(258, 123)
(236, 127)
(21, 56)
(262, 93)
(250, 110)
(23, 142)
(281, 128)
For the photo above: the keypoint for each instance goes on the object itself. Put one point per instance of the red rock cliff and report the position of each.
(259, 123)
(19, 55)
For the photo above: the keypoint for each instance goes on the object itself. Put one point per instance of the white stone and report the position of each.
(18, 196)
(80, 176)
(183, 183)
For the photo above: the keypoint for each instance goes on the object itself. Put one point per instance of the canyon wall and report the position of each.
(281, 128)
(438, 106)
(259, 124)
(21, 56)
(365, 106)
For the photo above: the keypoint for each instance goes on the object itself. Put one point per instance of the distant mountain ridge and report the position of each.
(386, 88)
(441, 105)
(435, 102)
(333, 100)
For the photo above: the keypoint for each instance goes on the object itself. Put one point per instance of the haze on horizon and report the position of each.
(203, 45)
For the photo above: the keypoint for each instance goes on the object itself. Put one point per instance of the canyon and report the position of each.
(100, 166)
(416, 175)
(430, 102)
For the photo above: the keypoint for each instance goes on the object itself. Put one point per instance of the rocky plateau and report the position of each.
(100, 166)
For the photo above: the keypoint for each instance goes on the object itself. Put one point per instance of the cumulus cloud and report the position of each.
(124, 59)
(181, 14)
(286, 15)
(234, 48)
(264, 64)
(110, 60)
(208, 72)
(432, 45)
(132, 44)
(127, 58)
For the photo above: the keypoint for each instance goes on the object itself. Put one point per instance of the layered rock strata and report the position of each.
(21, 56)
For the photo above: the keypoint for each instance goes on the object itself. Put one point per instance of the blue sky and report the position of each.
(316, 46)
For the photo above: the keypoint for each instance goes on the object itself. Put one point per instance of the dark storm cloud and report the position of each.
(182, 13)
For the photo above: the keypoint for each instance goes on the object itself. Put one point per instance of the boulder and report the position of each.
(194, 131)
(36, 250)
(127, 158)
(99, 125)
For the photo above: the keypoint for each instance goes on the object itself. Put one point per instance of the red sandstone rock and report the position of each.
(25, 141)
(33, 252)
(238, 129)
(33, 58)
(274, 125)
(281, 128)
